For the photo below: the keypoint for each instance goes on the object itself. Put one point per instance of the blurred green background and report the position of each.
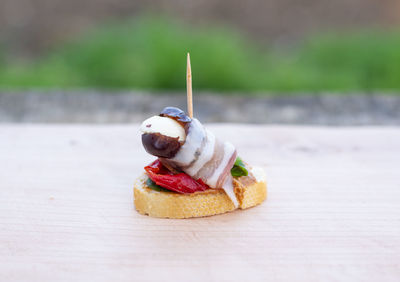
(147, 50)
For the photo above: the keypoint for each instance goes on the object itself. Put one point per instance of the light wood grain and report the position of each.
(333, 213)
(189, 93)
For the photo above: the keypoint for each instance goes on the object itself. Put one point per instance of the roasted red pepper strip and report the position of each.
(181, 182)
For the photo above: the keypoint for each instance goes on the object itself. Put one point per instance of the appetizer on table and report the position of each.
(195, 174)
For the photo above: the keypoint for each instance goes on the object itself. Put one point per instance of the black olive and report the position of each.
(175, 113)
(160, 145)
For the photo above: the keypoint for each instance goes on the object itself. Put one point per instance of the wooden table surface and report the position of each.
(333, 212)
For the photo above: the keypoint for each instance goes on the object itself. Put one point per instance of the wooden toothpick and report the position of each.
(189, 87)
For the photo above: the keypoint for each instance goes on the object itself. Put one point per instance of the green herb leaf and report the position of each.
(239, 168)
(152, 185)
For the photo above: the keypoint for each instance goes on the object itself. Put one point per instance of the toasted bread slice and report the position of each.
(207, 203)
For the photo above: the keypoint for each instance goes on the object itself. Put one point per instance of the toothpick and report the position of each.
(189, 87)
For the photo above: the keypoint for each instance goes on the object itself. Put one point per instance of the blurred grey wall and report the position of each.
(29, 27)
